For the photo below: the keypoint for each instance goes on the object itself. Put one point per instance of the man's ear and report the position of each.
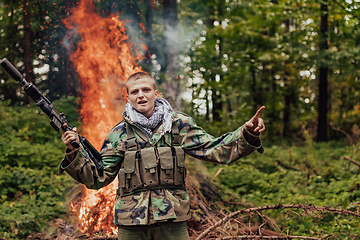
(157, 94)
(128, 99)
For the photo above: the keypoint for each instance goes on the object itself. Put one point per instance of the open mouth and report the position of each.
(142, 102)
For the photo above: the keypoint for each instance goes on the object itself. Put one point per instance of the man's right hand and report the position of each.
(68, 136)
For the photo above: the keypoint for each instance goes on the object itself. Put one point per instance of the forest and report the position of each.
(217, 61)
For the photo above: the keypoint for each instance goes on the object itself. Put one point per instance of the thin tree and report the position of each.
(171, 50)
(149, 19)
(323, 77)
(27, 45)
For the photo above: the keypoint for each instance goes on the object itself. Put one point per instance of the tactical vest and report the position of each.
(152, 168)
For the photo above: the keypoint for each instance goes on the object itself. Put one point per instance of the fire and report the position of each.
(104, 59)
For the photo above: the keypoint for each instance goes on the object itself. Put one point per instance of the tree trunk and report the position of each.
(323, 81)
(8, 91)
(216, 96)
(27, 46)
(217, 104)
(288, 95)
(171, 50)
(253, 83)
(286, 119)
(149, 18)
(217, 93)
(207, 104)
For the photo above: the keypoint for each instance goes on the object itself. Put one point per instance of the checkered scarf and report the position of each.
(162, 112)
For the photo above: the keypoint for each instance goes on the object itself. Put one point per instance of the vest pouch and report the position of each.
(179, 171)
(132, 173)
(122, 178)
(149, 169)
(166, 166)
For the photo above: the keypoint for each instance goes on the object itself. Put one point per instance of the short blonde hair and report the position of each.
(137, 76)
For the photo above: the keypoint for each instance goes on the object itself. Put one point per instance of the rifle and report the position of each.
(57, 120)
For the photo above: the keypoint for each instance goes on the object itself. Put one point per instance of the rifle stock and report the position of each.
(57, 120)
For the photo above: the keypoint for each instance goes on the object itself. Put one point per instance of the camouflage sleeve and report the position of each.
(222, 150)
(80, 167)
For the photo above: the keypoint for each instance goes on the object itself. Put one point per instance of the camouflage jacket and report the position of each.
(160, 205)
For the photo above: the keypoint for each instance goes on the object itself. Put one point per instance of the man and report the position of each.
(146, 150)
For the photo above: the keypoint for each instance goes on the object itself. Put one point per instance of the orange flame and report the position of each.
(104, 59)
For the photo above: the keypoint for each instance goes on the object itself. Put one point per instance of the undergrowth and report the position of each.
(32, 193)
(318, 174)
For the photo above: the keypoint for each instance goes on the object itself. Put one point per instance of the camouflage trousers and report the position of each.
(173, 231)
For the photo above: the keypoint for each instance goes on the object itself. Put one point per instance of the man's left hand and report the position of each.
(256, 124)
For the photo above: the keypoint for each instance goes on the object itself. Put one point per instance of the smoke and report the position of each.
(181, 37)
(136, 34)
(70, 39)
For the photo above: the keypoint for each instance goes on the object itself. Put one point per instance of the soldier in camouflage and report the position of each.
(146, 152)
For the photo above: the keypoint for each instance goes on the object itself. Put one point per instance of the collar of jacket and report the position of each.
(143, 135)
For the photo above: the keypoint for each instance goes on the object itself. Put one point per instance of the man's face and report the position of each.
(142, 95)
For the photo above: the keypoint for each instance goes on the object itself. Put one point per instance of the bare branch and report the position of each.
(309, 207)
(270, 237)
(351, 160)
(347, 135)
(104, 238)
(286, 166)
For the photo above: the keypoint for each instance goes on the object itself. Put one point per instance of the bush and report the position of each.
(31, 190)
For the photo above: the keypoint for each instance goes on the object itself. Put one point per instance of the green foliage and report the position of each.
(47, 47)
(31, 190)
(315, 173)
(30, 198)
(267, 53)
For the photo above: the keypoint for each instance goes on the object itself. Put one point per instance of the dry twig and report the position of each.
(351, 160)
(104, 238)
(270, 237)
(286, 166)
(347, 135)
(310, 208)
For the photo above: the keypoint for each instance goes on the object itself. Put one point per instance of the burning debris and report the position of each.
(205, 202)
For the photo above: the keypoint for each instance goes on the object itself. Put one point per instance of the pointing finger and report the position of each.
(259, 111)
